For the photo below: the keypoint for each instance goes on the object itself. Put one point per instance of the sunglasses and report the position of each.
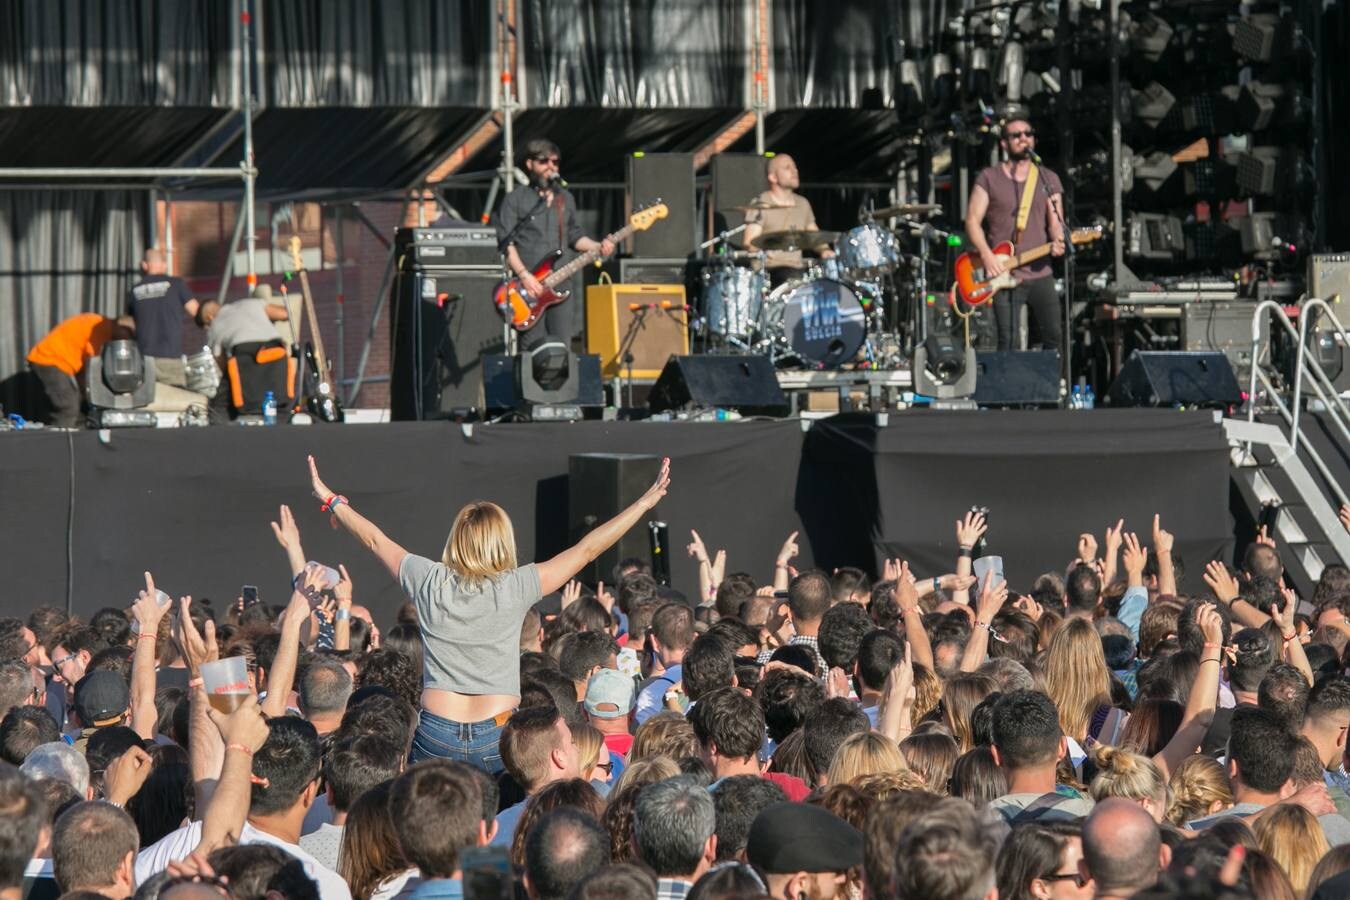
(1013, 135)
(548, 159)
(1076, 877)
(606, 767)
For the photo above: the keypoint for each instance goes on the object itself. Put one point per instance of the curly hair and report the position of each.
(1197, 784)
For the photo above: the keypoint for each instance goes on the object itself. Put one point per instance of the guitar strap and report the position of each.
(1024, 207)
(560, 202)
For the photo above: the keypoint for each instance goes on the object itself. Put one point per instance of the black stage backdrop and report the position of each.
(193, 505)
(1046, 477)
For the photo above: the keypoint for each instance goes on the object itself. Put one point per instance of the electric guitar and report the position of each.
(973, 287)
(320, 397)
(523, 310)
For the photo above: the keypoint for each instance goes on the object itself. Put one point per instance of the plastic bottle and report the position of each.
(1089, 398)
(1076, 399)
(269, 409)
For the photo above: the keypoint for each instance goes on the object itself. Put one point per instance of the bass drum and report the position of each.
(732, 299)
(869, 251)
(822, 320)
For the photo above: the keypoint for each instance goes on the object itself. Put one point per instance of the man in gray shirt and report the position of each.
(244, 321)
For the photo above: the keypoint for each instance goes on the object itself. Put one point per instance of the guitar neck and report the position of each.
(314, 327)
(563, 273)
(1029, 256)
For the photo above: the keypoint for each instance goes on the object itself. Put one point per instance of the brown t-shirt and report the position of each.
(1005, 196)
(799, 216)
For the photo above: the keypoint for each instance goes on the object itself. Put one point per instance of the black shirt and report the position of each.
(539, 232)
(157, 304)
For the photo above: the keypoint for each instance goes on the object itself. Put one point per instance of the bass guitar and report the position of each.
(973, 287)
(320, 397)
(523, 309)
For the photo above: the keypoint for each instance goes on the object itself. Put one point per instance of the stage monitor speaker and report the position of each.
(1017, 378)
(669, 177)
(744, 383)
(443, 323)
(654, 332)
(736, 179)
(599, 487)
(1155, 378)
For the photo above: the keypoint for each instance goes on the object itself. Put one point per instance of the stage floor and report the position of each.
(84, 517)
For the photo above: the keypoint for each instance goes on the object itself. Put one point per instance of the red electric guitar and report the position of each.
(974, 288)
(523, 310)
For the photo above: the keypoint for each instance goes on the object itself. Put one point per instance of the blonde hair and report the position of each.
(960, 695)
(865, 753)
(644, 772)
(1197, 784)
(1124, 773)
(1076, 677)
(665, 734)
(481, 545)
(588, 741)
(931, 755)
(927, 693)
(1294, 838)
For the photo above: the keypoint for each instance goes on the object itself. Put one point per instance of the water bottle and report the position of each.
(1089, 398)
(269, 409)
(1076, 400)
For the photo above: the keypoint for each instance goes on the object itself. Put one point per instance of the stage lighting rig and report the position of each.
(909, 102)
(121, 382)
(941, 83)
(1154, 236)
(944, 367)
(1011, 69)
(1264, 37)
(1261, 105)
(1150, 37)
(1152, 104)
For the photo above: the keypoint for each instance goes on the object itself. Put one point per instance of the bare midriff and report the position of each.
(466, 707)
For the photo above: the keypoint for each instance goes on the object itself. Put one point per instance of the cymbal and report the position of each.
(907, 209)
(756, 205)
(795, 239)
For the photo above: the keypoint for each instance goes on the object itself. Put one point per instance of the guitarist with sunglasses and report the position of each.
(1020, 201)
(541, 218)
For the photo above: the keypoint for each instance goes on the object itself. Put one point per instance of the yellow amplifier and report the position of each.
(650, 321)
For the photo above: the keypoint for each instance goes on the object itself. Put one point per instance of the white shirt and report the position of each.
(324, 844)
(178, 844)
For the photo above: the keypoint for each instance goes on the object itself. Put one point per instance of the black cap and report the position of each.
(799, 837)
(101, 698)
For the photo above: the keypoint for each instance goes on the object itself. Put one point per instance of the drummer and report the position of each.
(787, 210)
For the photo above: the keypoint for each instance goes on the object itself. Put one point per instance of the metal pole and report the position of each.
(228, 272)
(341, 296)
(249, 172)
(1117, 201)
(168, 232)
(761, 82)
(375, 314)
(121, 172)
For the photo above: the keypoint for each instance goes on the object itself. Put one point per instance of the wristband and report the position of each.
(1212, 659)
(1208, 644)
(113, 803)
(343, 615)
(331, 504)
(240, 747)
(146, 634)
(967, 552)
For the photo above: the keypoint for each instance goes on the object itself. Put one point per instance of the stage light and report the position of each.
(1154, 170)
(1152, 104)
(1257, 171)
(1153, 236)
(1259, 238)
(548, 373)
(1263, 37)
(1261, 105)
(979, 81)
(1011, 70)
(908, 90)
(120, 379)
(1149, 37)
(944, 367)
(941, 83)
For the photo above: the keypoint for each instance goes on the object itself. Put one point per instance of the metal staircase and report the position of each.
(1278, 475)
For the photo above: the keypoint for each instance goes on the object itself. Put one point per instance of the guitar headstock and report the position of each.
(1087, 235)
(648, 216)
(293, 247)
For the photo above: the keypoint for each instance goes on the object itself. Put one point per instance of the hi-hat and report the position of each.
(795, 239)
(906, 209)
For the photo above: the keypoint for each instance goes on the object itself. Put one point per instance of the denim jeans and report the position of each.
(477, 743)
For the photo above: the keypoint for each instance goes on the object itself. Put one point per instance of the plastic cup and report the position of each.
(331, 576)
(226, 683)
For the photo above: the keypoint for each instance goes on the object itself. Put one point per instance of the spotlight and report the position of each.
(1149, 37)
(1152, 104)
(1263, 37)
(1260, 106)
(1153, 236)
(1154, 170)
(941, 83)
(908, 90)
(121, 381)
(1010, 73)
(548, 373)
(979, 82)
(944, 368)
(1257, 170)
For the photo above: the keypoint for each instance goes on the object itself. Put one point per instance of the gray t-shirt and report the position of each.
(1335, 826)
(470, 637)
(240, 322)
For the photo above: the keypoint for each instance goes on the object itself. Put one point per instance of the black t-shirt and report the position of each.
(157, 305)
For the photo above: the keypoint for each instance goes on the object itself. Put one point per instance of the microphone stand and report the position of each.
(1069, 253)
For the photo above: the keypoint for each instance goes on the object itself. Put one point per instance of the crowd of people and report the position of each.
(812, 735)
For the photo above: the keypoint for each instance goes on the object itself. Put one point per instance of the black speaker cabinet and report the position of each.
(670, 178)
(599, 487)
(443, 324)
(744, 383)
(1017, 378)
(1151, 378)
(736, 179)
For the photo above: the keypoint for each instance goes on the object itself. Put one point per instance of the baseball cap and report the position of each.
(101, 698)
(609, 687)
(798, 837)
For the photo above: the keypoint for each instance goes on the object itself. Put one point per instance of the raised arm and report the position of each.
(1293, 647)
(1203, 699)
(242, 732)
(148, 614)
(364, 530)
(1162, 547)
(1225, 588)
(991, 601)
(920, 650)
(288, 536)
(559, 570)
(969, 530)
(782, 565)
(281, 676)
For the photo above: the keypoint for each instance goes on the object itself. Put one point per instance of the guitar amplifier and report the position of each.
(451, 247)
(650, 321)
(1329, 279)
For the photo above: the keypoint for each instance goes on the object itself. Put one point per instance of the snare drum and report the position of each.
(869, 250)
(821, 319)
(201, 372)
(732, 300)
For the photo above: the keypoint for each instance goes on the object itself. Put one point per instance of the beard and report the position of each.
(539, 181)
(1019, 155)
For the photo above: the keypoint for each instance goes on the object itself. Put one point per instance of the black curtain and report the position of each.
(635, 53)
(363, 53)
(61, 253)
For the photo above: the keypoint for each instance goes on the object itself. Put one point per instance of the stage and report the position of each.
(84, 517)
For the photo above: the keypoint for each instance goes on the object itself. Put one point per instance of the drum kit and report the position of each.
(842, 311)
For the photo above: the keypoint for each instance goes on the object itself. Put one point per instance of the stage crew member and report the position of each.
(59, 359)
(1021, 201)
(791, 211)
(537, 219)
(160, 303)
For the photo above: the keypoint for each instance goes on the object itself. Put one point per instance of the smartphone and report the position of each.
(487, 873)
(982, 545)
(658, 535)
(250, 594)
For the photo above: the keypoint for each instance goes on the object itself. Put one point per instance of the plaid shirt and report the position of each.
(805, 640)
(672, 889)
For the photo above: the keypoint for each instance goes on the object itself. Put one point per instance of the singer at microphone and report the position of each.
(535, 223)
(1014, 207)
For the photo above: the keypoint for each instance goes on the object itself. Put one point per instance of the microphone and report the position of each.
(556, 180)
(1034, 157)
(664, 304)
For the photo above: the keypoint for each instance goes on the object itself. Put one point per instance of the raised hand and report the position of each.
(343, 589)
(1210, 623)
(992, 597)
(1087, 547)
(836, 683)
(1029, 606)
(287, 532)
(571, 593)
(1263, 537)
(957, 582)
(147, 609)
(1134, 559)
(198, 647)
(1162, 539)
(906, 594)
(659, 486)
(788, 551)
(246, 726)
(605, 597)
(970, 528)
(125, 775)
(1285, 617)
(1224, 586)
(1114, 537)
(697, 549)
(1345, 516)
(321, 491)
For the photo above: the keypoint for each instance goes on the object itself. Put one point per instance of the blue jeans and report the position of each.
(476, 743)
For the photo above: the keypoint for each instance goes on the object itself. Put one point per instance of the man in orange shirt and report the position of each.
(59, 359)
